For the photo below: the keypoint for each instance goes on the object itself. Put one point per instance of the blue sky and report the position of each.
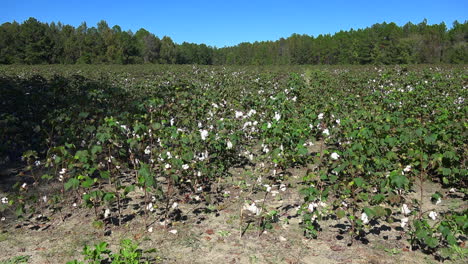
(226, 23)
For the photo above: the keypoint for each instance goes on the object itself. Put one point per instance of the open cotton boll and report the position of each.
(204, 134)
(364, 218)
(229, 144)
(334, 156)
(433, 215)
(252, 208)
(107, 213)
(404, 222)
(405, 210)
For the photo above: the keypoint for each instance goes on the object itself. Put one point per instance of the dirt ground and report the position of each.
(204, 233)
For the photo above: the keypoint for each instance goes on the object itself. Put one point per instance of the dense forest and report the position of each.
(34, 42)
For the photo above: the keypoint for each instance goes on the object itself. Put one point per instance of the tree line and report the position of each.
(34, 42)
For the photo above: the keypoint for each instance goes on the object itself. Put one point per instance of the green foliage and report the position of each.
(366, 137)
(129, 253)
(34, 42)
(16, 260)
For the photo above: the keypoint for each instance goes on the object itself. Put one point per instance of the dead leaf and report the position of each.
(337, 248)
(137, 236)
(209, 231)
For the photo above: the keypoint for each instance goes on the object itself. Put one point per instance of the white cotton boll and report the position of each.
(229, 144)
(438, 201)
(338, 121)
(404, 222)
(433, 215)
(252, 208)
(107, 213)
(326, 132)
(268, 187)
(174, 205)
(246, 124)
(44, 198)
(4, 200)
(283, 187)
(405, 210)
(150, 230)
(239, 114)
(147, 150)
(312, 207)
(334, 156)
(407, 168)
(185, 167)
(63, 171)
(268, 125)
(320, 116)
(173, 231)
(364, 218)
(167, 166)
(204, 134)
(251, 112)
(150, 207)
(277, 116)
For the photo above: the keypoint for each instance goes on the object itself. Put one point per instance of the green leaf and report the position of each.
(431, 242)
(398, 180)
(378, 198)
(87, 183)
(46, 177)
(96, 149)
(81, 155)
(370, 213)
(188, 156)
(104, 174)
(379, 211)
(108, 196)
(302, 151)
(72, 183)
(146, 176)
(359, 181)
(421, 234)
(446, 171)
(340, 213)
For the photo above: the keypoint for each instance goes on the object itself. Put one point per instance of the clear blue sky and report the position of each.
(226, 23)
